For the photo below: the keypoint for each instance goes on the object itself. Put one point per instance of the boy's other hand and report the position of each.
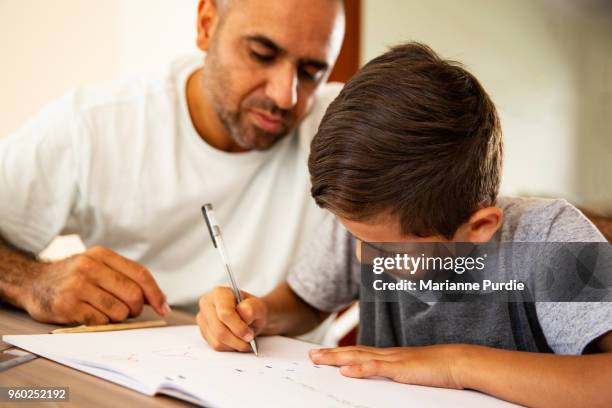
(96, 287)
(227, 326)
(430, 366)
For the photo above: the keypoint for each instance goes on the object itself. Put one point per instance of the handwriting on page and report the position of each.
(177, 360)
(172, 354)
(295, 373)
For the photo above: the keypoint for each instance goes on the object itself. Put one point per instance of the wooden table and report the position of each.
(85, 390)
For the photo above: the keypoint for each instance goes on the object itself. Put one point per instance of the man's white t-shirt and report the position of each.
(122, 166)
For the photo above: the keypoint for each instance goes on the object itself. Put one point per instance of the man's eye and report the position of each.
(262, 57)
(311, 74)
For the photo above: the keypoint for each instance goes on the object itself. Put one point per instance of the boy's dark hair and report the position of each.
(411, 135)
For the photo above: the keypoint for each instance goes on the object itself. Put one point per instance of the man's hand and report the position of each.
(95, 287)
(431, 365)
(227, 326)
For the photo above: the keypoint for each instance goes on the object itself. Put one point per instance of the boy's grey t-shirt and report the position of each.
(327, 276)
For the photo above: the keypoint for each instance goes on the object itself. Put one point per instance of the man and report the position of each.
(411, 152)
(128, 165)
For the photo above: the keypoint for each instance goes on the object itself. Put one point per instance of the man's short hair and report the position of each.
(411, 136)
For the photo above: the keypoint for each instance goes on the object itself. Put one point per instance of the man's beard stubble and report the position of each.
(246, 135)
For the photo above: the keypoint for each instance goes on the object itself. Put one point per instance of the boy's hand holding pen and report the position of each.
(228, 326)
(229, 319)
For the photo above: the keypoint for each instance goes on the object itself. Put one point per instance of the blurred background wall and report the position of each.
(546, 63)
(48, 47)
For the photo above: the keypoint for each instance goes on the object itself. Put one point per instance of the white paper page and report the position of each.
(176, 358)
(80, 354)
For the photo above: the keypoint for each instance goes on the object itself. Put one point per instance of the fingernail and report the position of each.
(248, 337)
(315, 353)
(166, 308)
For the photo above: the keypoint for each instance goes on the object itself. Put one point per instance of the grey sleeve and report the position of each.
(570, 225)
(326, 275)
(570, 326)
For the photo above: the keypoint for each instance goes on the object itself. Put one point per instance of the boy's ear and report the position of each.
(206, 23)
(481, 226)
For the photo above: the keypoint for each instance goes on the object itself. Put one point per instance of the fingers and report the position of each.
(108, 286)
(358, 361)
(431, 366)
(224, 325)
(208, 336)
(252, 312)
(226, 313)
(113, 308)
(137, 273)
(217, 335)
(89, 315)
(342, 356)
(377, 350)
(121, 287)
(371, 368)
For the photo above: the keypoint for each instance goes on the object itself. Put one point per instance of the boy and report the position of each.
(411, 151)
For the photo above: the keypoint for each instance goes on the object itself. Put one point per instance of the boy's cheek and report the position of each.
(358, 249)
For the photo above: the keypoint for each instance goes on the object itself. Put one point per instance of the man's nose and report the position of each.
(282, 86)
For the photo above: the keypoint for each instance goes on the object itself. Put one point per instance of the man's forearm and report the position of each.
(17, 269)
(537, 380)
(288, 314)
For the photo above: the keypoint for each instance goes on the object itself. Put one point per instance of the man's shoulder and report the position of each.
(115, 96)
(545, 220)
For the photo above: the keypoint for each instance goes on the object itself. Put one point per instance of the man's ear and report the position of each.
(481, 226)
(206, 23)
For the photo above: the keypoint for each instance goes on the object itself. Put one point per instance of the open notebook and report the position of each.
(176, 361)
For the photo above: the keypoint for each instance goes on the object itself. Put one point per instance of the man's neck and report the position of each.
(205, 120)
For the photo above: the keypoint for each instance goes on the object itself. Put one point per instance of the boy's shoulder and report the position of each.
(544, 220)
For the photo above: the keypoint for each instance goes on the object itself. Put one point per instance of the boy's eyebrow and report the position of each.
(272, 46)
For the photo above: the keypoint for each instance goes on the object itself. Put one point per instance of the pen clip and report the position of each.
(206, 209)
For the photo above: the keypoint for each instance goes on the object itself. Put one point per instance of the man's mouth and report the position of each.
(267, 121)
